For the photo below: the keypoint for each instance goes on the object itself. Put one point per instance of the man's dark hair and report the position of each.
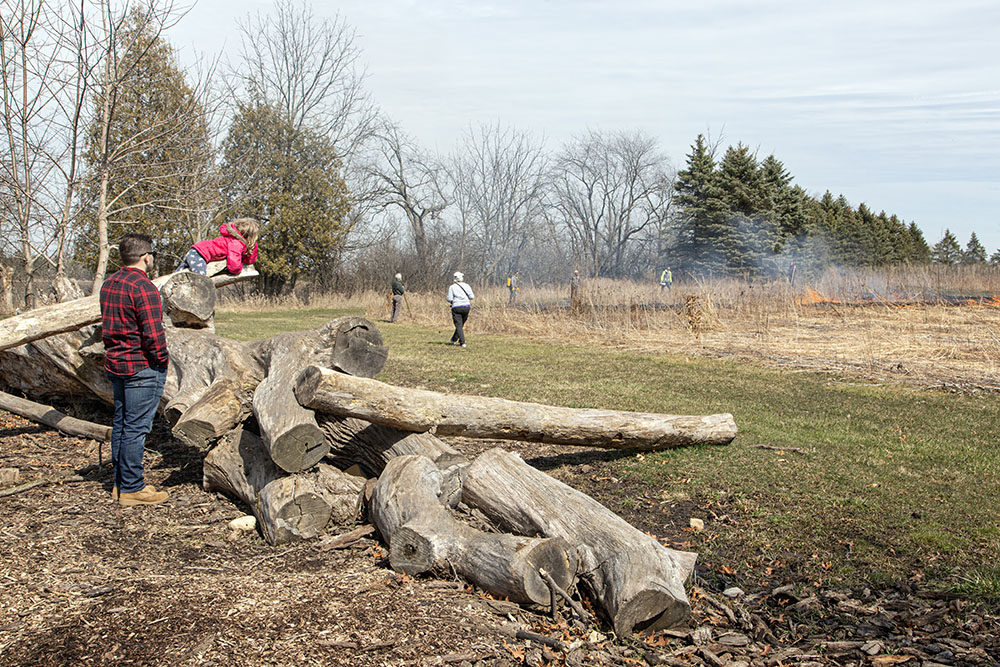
(133, 246)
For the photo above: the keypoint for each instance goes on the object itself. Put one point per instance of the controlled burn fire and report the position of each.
(813, 298)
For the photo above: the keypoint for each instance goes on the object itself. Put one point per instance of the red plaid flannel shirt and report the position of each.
(132, 323)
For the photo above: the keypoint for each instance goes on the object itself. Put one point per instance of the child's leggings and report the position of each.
(194, 262)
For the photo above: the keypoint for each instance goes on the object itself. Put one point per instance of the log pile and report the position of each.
(282, 419)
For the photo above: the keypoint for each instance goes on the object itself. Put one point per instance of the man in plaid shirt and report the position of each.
(136, 358)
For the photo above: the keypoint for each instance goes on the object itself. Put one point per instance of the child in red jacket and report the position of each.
(236, 243)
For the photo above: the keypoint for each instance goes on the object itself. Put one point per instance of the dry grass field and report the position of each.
(933, 327)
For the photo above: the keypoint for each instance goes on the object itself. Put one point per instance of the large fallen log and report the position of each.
(479, 417)
(45, 414)
(34, 371)
(287, 507)
(290, 432)
(406, 507)
(198, 360)
(638, 582)
(68, 316)
(372, 446)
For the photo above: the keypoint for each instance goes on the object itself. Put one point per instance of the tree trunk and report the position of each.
(103, 243)
(6, 290)
(407, 509)
(290, 431)
(287, 507)
(372, 446)
(49, 416)
(479, 417)
(638, 582)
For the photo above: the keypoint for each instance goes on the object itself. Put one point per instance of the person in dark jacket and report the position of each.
(397, 296)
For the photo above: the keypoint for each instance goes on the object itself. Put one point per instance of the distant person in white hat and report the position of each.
(460, 297)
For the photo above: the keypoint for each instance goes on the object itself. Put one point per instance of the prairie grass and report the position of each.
(903, 324)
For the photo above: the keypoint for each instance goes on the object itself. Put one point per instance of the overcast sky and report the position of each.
(894, 104)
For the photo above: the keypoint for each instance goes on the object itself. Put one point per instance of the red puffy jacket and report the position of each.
(227, 246)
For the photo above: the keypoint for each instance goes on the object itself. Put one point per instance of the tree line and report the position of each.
(105, 133)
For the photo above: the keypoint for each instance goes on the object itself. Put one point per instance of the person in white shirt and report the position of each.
(460, 297)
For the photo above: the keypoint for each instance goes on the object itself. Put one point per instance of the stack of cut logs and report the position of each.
(283, 418)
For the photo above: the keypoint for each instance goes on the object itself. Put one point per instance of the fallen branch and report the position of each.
(573, 604)
(39, 482)
(347, 539)
(781, 449)
(49, 416)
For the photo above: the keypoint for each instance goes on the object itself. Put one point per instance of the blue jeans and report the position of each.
(136, 398)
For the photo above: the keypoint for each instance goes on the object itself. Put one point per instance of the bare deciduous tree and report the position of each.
(409, 181)
(32, 69)
(610, 190)
(308, 68)
(499, 184)
(55, 59)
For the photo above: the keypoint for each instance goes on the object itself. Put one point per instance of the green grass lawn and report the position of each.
(889, 483)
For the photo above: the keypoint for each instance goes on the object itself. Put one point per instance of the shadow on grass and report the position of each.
(582, 457)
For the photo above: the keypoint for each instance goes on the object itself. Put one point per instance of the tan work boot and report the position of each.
(114, 493)
(146, 496)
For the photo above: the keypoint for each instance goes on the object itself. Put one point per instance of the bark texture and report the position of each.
(407, 508)
(638, 582)
(372, 446)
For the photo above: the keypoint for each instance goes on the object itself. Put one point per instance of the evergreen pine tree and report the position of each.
(920, 252)
(751, 237)
(947, 250)
(900, 243)
(784, 202)
(974, 252)
(995, 258)
(701, 212)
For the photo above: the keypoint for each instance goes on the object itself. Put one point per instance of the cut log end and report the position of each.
(189, 300)
(300, 520)
(299, 448)
(552, 556)
(650, 610)
(411, 552)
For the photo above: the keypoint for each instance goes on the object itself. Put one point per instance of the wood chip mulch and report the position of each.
(86, 582)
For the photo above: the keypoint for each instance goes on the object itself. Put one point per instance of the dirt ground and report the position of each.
(86, 582)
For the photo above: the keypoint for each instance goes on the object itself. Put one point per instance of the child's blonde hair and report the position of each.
(249, 229)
